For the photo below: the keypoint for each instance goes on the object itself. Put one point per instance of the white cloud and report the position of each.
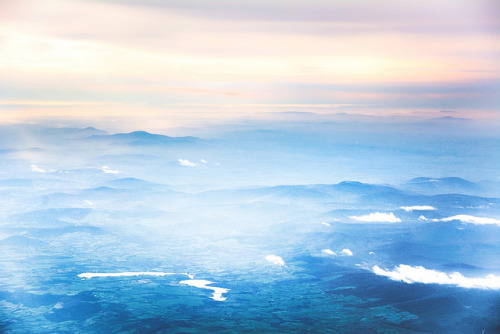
(371, 253)
(377, 217)
(422, 218)
(418, 208)
(473, 220)
(325, 223)
(37, 169)
(130, 273)
(274, 259)
(347, 252)
(328, 251)
(107, 170)
(187, 163)
(409, 274)
(202, 284)
(203, 161)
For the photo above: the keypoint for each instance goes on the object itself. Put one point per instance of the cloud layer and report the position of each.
(385, 55)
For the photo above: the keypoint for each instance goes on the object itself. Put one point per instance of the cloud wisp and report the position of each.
(471, 220)
(276, 260)
(187, 163)
(377, 217)
(37, 169)
(107, 170)
(203, 284)
(328, 251)
(131, 273)
(418, 208)
(418, 274)
(347, 252)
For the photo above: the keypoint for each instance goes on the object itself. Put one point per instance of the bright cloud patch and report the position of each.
(107, 170)
(347, 252)
(274, 259)
(328, 251)
(418, 208)
(37, 169)
(409, 274)
(202, 284)
(130, 273)
(473, 220)
(377, 217)
(325, 223)
(186, 163)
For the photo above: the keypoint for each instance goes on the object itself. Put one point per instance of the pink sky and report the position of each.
(179, 60)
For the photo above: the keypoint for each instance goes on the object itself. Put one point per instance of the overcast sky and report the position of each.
(227, 59)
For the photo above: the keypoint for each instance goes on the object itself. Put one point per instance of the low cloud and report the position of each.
(276, 260)
(130, 273)
(472, 220)
(107, 170)
(328, 251)
(37, 169)
(186, 163)
(418, 208)
(202, 284)
(409, 274)
(347, 252)
(377, 217)
(325, 223)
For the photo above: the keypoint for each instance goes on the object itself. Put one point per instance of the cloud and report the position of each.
(377, 217)
(418, 208)
(328, 251)
(107, 170)
(37, 169)
(347, 252)
(472, 220)
(203, 161)
(187, 163)
(422, 217)
(409, 274)
(202, 284)
(325, 223)
(274, 259)
(130, 273)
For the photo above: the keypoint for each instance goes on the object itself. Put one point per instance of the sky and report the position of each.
(180, 61)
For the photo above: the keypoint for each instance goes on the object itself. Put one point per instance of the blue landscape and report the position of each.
(245, 166)
(273, 230)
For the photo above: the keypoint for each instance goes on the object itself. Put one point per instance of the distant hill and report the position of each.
(133, 183)
(449, 118)
(142, 138)
(16, 183)
(441, 185)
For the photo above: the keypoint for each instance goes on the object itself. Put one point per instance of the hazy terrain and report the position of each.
(345, 226)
